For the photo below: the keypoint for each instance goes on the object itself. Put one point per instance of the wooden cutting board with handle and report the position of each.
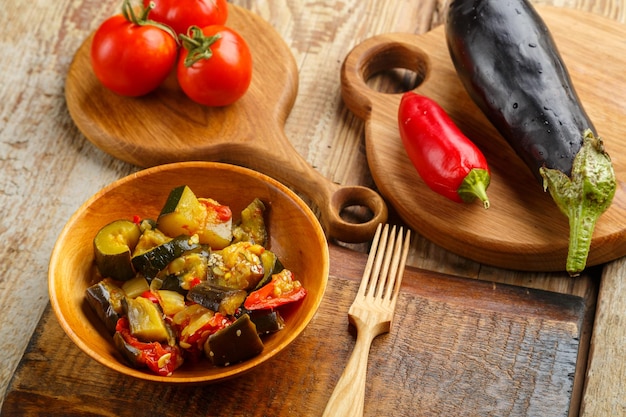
(523, 229)
(165, 126)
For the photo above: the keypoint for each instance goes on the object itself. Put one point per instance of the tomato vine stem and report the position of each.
(198, 45)
(142, 20)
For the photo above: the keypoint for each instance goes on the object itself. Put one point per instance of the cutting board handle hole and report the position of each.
(379, 67)
(356, 214)
(395, 81)
(395, 68)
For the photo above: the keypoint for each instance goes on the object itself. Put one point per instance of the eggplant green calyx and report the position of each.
(142, 19)
(474, 186)
(198, 45)
(583, 196)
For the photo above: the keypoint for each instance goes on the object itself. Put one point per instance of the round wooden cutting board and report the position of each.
(523, 229)
(165, 126)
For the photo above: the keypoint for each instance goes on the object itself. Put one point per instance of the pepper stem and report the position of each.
(583, 196)
(474, 186)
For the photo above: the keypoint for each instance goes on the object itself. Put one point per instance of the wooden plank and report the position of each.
(604, 388)
(457, 347)
(49, 168)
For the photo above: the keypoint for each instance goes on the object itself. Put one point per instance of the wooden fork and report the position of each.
(371, 314)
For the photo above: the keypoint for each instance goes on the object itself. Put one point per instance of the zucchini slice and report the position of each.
(150, 263)
(113, 246)
(184, 270)
(184, 213)
(235, 343)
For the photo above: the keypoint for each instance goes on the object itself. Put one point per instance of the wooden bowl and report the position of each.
(295, 236)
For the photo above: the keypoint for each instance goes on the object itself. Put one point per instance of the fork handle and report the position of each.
(349, 395)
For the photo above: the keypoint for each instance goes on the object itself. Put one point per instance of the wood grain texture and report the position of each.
(48, 168)
(523, 229)
(457, 347)
(607, 362)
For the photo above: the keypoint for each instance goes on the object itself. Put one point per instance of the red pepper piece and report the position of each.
(448, 162)
(196, 340)
(150, 296)
(281, 290)
(160, 359)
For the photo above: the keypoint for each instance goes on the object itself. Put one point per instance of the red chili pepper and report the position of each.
(150, 296)
(448, 162)
(197, 339)
(268, 296)
(223, 212)
(160, 359)
(194, 281)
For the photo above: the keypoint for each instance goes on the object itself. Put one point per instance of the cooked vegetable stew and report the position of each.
(190, 285)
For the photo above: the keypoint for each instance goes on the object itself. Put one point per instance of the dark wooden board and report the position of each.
(457, 347)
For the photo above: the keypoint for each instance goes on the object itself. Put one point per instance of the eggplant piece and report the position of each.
(145, 320)
(105, 299)
(267, 321)
(251, 227)
(216, 298)
(150, 263)
(133, 355)
(233, 344)
(509, 64)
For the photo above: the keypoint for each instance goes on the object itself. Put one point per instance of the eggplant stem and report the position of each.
(583, 196)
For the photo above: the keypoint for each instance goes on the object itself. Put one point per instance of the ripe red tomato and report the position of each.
(180, 15)
(132, 59)
(214, 66)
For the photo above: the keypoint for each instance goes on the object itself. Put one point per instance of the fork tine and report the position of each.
(381, 277)
(388, 252)
(399, 262)
(373, 256)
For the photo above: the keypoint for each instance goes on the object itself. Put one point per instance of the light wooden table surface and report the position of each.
(48, 168)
